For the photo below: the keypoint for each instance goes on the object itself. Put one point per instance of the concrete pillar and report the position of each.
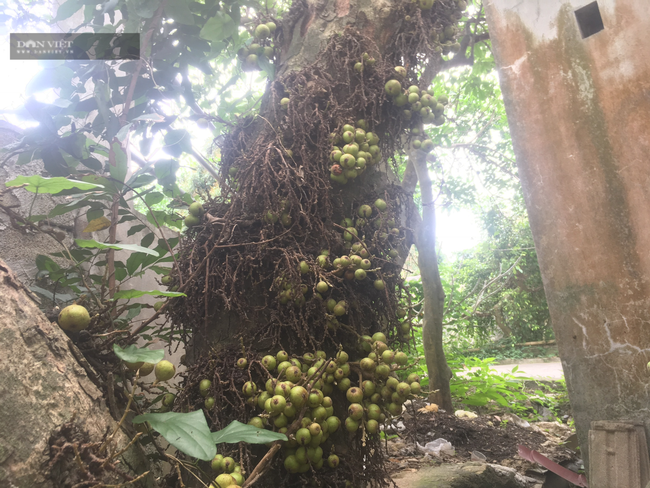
(578, 103)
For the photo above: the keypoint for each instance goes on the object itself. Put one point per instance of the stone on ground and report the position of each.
(466, 475)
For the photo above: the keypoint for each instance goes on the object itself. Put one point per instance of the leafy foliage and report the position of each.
(133, 354)
(187, 432)
(238, 432)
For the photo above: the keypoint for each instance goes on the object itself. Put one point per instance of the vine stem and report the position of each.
(126, 412)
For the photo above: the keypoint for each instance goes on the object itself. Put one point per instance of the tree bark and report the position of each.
(433, 293)
(46, 396)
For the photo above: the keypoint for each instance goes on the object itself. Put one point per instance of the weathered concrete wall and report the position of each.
(579, 112)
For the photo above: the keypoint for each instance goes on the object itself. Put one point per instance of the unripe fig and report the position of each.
(400, 71)
(403, 389)
(393, 88)
(298, 396)
(281, 421)
(75, 318)
(269, 362)
(368, 388)
(322, 287)
(315, 398)
(291, 464)
(344, 384)
(293, 374)
(225, 480)
(355, 411)
(354, 395)
(351, 425)
(262, 31)
(388, 356)
(256, 422)
(372, 426)
(262, 398)
(401, 358)
(164, 370)
(283, 366)
(342, 357)
(216, 463)
(367, 365)
(303, 436)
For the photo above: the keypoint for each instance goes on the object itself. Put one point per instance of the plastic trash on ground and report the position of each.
(438, 447)
(478, 456)
(464, 414)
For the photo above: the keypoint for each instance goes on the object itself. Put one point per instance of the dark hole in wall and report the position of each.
(589, 20)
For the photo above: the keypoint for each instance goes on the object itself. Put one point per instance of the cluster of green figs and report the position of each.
(353, 151)
(303, 385)
(417, 104)
(355, 265)
(261, 47)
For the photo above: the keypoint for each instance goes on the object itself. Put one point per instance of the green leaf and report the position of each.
(267, 66)
(148, 239)
(133, 354)
(68, 9)
(123, 132)
(187, 432)
(218, 27)
(92, 163)
(165, 171)
(180, 12)
(121, 167)
(153, 198)
(38, 184)
(54, 162)
(128, 294)
(134, 261)
(152, 117)
(238, 432)
(177, 141)
(90, 243)
(46, 263)
(134, 229)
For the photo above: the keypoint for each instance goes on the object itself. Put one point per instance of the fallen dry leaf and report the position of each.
(431, 408)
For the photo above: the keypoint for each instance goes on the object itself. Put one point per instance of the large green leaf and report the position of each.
(179, 11)
(133, 354)
(68, 9)
(238, 432)
(128, 294)
(90, 243)
(218, 27)
(187, 432)
(177, 141)
(38, 184)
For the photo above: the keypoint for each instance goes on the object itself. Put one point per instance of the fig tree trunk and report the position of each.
(302, 251)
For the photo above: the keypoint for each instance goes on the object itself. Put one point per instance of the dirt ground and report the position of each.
(490, 435)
